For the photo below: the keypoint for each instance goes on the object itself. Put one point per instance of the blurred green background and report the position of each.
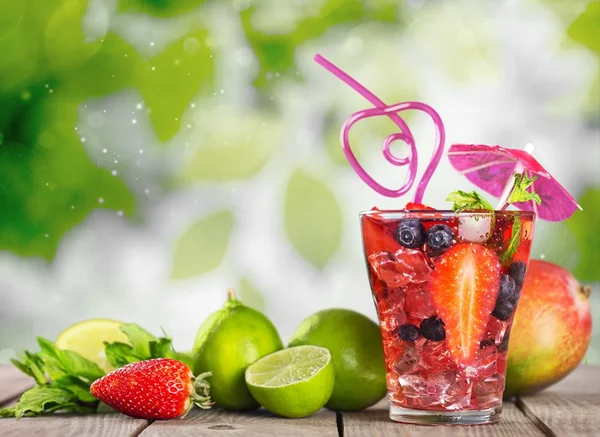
(154, 153)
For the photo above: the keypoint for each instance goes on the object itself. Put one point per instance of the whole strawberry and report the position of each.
(161, 388)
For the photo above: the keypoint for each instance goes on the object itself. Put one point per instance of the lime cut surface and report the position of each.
(294, 382)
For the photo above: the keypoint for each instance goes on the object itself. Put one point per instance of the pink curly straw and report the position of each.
(404, 135)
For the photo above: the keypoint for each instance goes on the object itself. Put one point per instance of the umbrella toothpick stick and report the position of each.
(502, 205)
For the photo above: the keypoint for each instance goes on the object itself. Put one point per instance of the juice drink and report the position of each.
(446, 283)
(446, 286)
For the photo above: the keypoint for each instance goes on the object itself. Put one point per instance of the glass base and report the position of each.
(424, 417)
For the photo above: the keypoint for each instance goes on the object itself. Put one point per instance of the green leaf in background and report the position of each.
(276, 49)
(250, 295)
(11, 18)
(112, 69)
(169, 81)
(64, 43)
(46, 39)
(313, 218)
(585, 226)
(48, 183)
(233, 144)
(159, 8)
(202, 247)
(586, 28)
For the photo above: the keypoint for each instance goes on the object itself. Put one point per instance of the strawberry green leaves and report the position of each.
(313, 218)
(202, 246)
(463, 201)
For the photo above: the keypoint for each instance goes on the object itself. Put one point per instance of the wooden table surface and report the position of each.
(570, 408)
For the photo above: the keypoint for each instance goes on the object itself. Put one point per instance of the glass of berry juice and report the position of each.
(446, 286)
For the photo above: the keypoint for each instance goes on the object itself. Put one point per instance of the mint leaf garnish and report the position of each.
(8, 412)
(142, 346)
(139, 339)
(63, 377)
(43, 399)
(463, 200)
(60, 363)
(63, 380)
(519, 192)
(514, 241)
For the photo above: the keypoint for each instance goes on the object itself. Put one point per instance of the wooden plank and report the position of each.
(66, 425)
(12, 383)
(257, 423)
(376, 422)
(572, 407)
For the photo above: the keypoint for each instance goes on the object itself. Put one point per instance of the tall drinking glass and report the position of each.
(446, 286)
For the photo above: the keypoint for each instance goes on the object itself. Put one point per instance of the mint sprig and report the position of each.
(63, 377)
(464, 201)
(519, 192)
(514, 241)
(142, 346)
(63, 380)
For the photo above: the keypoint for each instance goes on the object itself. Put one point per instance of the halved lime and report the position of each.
(294, 382)
(87, 339)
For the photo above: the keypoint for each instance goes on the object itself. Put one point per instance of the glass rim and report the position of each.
(440, 213)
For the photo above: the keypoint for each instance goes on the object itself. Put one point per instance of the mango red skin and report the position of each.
(551, 330)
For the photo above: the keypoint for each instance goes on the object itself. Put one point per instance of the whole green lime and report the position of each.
(226, 344)
(354, 341)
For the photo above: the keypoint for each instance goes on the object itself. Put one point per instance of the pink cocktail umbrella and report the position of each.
(491, 168)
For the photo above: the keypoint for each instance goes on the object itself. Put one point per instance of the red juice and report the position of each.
(446, 286)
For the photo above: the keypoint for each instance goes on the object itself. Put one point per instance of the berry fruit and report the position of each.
(432, 329)
(507, 288)
(410, 233)
(408, 332)
(161, 388)
(517, 272)
(503, 309)
(464, 288)
(439, 238)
